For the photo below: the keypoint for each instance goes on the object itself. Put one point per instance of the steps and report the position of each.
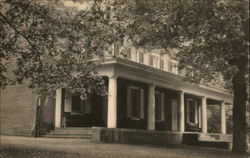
(70, 132)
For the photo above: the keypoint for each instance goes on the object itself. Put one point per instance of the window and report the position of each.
(161, 64)
(128, 53)
(135, 102)
(80, 106)
(174, 67)
(157, 62)
(76, 103)
(159, 106)
(189, 72)
(141, 57)
(116, 48)
(191, 110)
(151, 60)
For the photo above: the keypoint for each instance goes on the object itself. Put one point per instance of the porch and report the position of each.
(142, 98)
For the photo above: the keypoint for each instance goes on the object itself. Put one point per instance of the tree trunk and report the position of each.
(239, 109)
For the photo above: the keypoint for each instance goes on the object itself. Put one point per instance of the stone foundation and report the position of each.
(135, 136)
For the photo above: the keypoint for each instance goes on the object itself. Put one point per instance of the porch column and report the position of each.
(58, 109)
(112, 102)
(151, 107)
(181, 113)
(223, 117)
(204, 115)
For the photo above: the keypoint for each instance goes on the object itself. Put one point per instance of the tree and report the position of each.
(212, 38)
(49, 46)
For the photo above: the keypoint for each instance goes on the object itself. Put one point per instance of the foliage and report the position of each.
(53, 45)
(213, 121)
(50, 46)
(212, 38)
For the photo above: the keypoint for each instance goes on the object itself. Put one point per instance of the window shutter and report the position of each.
(162, 107)
(195, 111)
(188, 110)
(142, 103)
(129, 108)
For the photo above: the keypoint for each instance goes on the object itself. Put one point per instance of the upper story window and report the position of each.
(151, 60)
(116, 48)
(174, 67)
(128, 53)
(157, 62)
(189, 71)
(162, 66)
(141, 57)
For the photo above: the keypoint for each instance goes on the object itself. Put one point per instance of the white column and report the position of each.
(204, 115)
(112, 102)
(181, 113)
(151, 107)
(223, 117)
(58, 110)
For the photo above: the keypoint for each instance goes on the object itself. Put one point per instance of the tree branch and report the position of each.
(18, 32)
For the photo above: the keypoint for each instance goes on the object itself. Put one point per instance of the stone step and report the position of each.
(74, 128)
(71, 132)
(81, 134)
(68, 136)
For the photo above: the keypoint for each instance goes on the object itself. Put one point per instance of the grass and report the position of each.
(16, 147)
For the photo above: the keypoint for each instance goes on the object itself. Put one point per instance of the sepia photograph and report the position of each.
(124, 79)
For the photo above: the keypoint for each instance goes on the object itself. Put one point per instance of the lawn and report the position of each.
(21, 147)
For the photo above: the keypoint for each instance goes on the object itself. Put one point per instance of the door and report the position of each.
(174, 107)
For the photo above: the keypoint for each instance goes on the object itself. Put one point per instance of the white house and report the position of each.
(146, 93)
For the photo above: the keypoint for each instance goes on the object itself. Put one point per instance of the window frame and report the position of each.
(141, 57)
(139, 115)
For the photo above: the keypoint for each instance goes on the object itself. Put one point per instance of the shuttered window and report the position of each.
(76, 103)
(151, 60)
(162, 107)
(142, 103)
(159, 106)
(190, 108)
(141, 57)
(135, 102)
(129, 102)
(161, 64)
(128, 53)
